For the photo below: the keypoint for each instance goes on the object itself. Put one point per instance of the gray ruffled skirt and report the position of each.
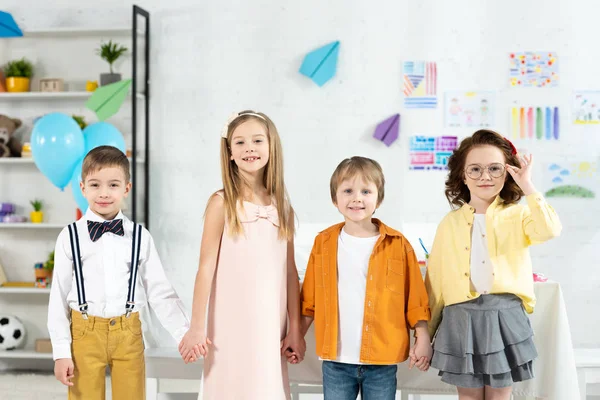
(485, 342)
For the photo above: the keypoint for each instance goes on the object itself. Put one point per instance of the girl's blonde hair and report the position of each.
(272, 178)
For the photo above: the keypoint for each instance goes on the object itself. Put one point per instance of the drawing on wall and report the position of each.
(586, 107)
(420, 84)
(469, 109)
(431, 152)
(572, 179)
(533, 69)
(541, 123)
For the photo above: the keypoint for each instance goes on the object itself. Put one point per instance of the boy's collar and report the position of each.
(92, 216)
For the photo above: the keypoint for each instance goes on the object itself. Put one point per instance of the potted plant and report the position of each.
(110, 52)
(49, 264)
(37, 215)
(18, 74)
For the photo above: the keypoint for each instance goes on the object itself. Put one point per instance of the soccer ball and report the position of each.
(12, 332)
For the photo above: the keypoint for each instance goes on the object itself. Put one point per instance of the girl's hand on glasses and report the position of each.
(522, 176)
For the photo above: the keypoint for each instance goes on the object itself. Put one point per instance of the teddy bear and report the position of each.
(10, 146)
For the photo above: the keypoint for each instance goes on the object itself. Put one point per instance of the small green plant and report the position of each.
(80, 119)
(110, 52)
(49, 264)
(36, 204)
(19, 69)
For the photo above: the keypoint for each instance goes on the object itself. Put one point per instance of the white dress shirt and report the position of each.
(106, 265)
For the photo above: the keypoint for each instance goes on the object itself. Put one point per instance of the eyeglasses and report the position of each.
(475, 171)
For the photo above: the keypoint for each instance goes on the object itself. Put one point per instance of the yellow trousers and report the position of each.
(114, 342)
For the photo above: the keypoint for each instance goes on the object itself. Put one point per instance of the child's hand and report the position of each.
(292, 358)
(63, 371)
(522, 176)
(193, 346)
(420, 355)
(294, 343)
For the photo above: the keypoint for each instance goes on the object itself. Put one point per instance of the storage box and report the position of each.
(43, 346)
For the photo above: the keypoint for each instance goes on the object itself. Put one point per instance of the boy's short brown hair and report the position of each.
(368, 169)
(104, 157)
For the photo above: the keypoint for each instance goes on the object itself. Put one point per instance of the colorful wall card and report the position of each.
(586, 108)
(469, 109)
(572, 179)
(320, 65)
(420, 84)
(540, 123)
(431, 152)
(388, 130)
(533, 69)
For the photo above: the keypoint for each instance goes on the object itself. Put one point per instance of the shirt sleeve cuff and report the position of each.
(61, 351)
(535, 199)
(308, 309)
(180, 333)
(418, 314)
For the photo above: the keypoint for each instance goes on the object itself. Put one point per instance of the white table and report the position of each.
(556, 375)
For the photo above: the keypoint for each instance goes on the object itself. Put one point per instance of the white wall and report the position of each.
(217, 57)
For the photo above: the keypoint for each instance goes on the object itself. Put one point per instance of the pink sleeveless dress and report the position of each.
(247, 315)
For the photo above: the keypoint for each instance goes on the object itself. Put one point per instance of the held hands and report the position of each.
(420, 355)
(522, 176)
(193, 346)
(293, 347)
(63, 371)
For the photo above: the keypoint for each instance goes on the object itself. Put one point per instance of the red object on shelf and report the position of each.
(78, 214)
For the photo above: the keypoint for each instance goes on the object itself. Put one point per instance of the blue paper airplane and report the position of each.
(320, 65)
(8, 26)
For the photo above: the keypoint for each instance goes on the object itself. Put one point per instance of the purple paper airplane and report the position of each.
(387, 131)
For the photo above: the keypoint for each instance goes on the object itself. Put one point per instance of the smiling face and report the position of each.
(356, 198)
(250, 147)
(105, 190)
(485, 172)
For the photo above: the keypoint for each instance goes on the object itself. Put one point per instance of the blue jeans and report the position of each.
(345, 381)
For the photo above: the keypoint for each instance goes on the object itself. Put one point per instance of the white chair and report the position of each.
(588, 369)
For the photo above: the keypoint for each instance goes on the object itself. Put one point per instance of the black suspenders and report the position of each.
(135, 257)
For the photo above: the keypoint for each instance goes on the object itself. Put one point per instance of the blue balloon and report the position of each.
(81, 201)
(57, 145)
(103, 134)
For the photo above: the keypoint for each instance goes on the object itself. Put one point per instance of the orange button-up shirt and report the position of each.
(395, 298)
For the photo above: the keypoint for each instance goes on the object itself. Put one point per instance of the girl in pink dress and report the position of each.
(247, 269)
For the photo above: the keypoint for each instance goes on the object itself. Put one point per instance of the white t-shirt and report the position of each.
(482, 270)
(353, 264)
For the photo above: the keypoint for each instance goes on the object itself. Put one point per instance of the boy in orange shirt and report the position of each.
(363, 286)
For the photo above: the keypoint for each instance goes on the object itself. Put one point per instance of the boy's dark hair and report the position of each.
(104, 157)
(457, 191)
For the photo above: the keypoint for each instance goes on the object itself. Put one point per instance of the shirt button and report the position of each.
(369, 303)
(466, 274)
(483, 262)
(113, 322)
(371, 277)
(467, 248)
(367, 328)
(468, 223)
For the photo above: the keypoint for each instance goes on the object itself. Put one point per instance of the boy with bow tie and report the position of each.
(100, 261)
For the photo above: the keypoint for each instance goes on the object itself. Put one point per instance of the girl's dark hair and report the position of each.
(457, 191)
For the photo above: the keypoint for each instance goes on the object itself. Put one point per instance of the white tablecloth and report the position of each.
(556, 376)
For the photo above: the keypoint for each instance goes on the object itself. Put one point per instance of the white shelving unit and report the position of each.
(23, 244)
(24, 290)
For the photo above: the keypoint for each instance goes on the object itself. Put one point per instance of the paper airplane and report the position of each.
(388, 130)
(320, 65)
(8, 26)
(107, 100)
